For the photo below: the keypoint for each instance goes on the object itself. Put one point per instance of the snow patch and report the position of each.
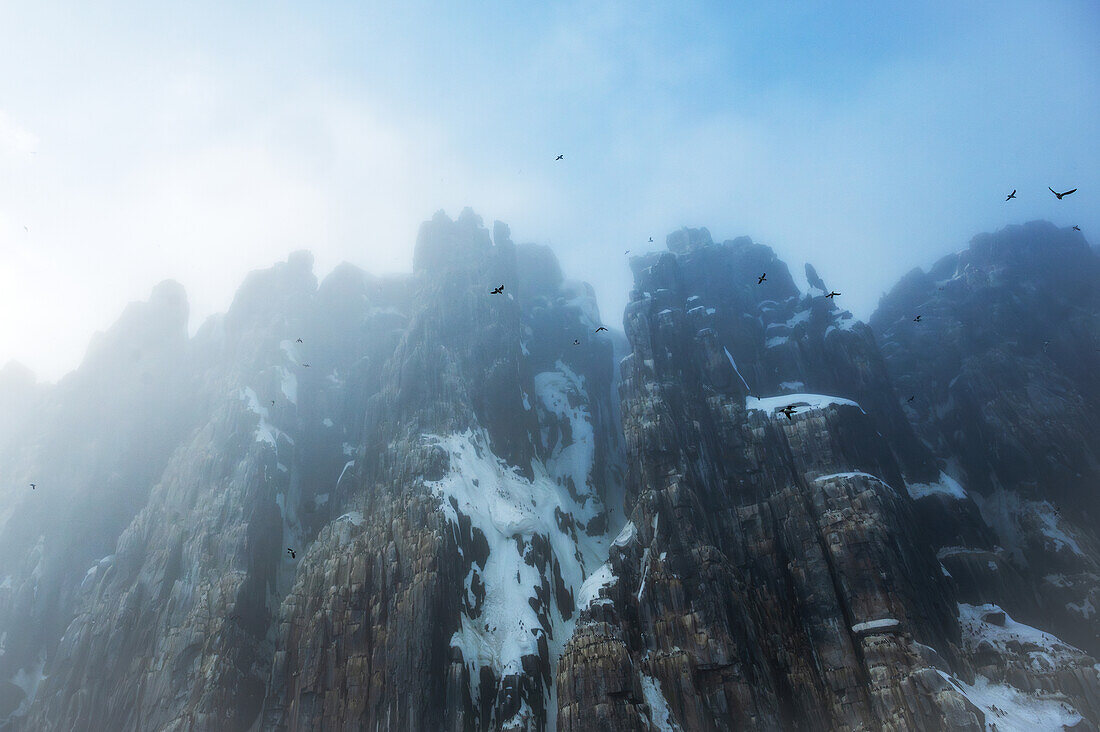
(875, 625)
(1011, 709)
(510, 510)
(590, 590)
(659, 715)
(945, 486)
(807, 401)
(288, 384)
(1043, 652)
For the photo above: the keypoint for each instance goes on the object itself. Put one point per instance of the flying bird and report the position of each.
(787, 411)
(576, 342)
(651, 240)
(305, 365)
(910, 399)
(1061, 195)
(1076, 227)
(299, 340)
(916, 319)
(560, 157)
(834, 293)
(627, 252)
(1011, 195)
(761, 278)
(497, 290)
(273, 402)
(291, 553)
(33, 486)
(600, 328)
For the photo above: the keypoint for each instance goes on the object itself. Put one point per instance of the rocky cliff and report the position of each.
(773, 574)
(408, 503)
(1002, 370)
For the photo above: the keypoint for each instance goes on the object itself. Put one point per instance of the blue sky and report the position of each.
(197, 141)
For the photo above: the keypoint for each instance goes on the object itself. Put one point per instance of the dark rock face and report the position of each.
(770, 577)
(1003, 367)
(774, 574)
(406, 503)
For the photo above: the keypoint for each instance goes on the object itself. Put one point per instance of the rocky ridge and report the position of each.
(445, 509)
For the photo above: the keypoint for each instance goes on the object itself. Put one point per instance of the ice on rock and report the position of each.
(735, 369)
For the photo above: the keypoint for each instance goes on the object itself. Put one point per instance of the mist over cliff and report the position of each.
(406, 502)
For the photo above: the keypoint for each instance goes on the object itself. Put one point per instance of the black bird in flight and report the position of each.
(600, 328)
(916, 319)
(761, 278)
(651, 240)
(1061, 195)
(910, 399)
(299, 340)
(1011, 195)
(273, 402)
(576, 342)
(627, 252)
(305, 365)
(291, 553)
(787, 411)
(834, 293)
(1076, 227)
(33, 486)
(560, 157)
(497, 290)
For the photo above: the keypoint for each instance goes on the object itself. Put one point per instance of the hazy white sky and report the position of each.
(200, 140)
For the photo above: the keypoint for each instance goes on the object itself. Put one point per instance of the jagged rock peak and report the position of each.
(443, 245)
(686, 240)
(814, 279)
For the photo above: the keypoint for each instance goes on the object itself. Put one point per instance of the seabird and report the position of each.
(910, 399)
(560, 157)
(299, 340)
(1061, 195)
(1076, 227)
(916, 319)
(306, 365)
(834, 293)
(497, 290)
(761, 278)
(33, 486)
(291, 553)
(651, 240)
(600, 328)
(1011, 195)
(787, 410)
(576, 342)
